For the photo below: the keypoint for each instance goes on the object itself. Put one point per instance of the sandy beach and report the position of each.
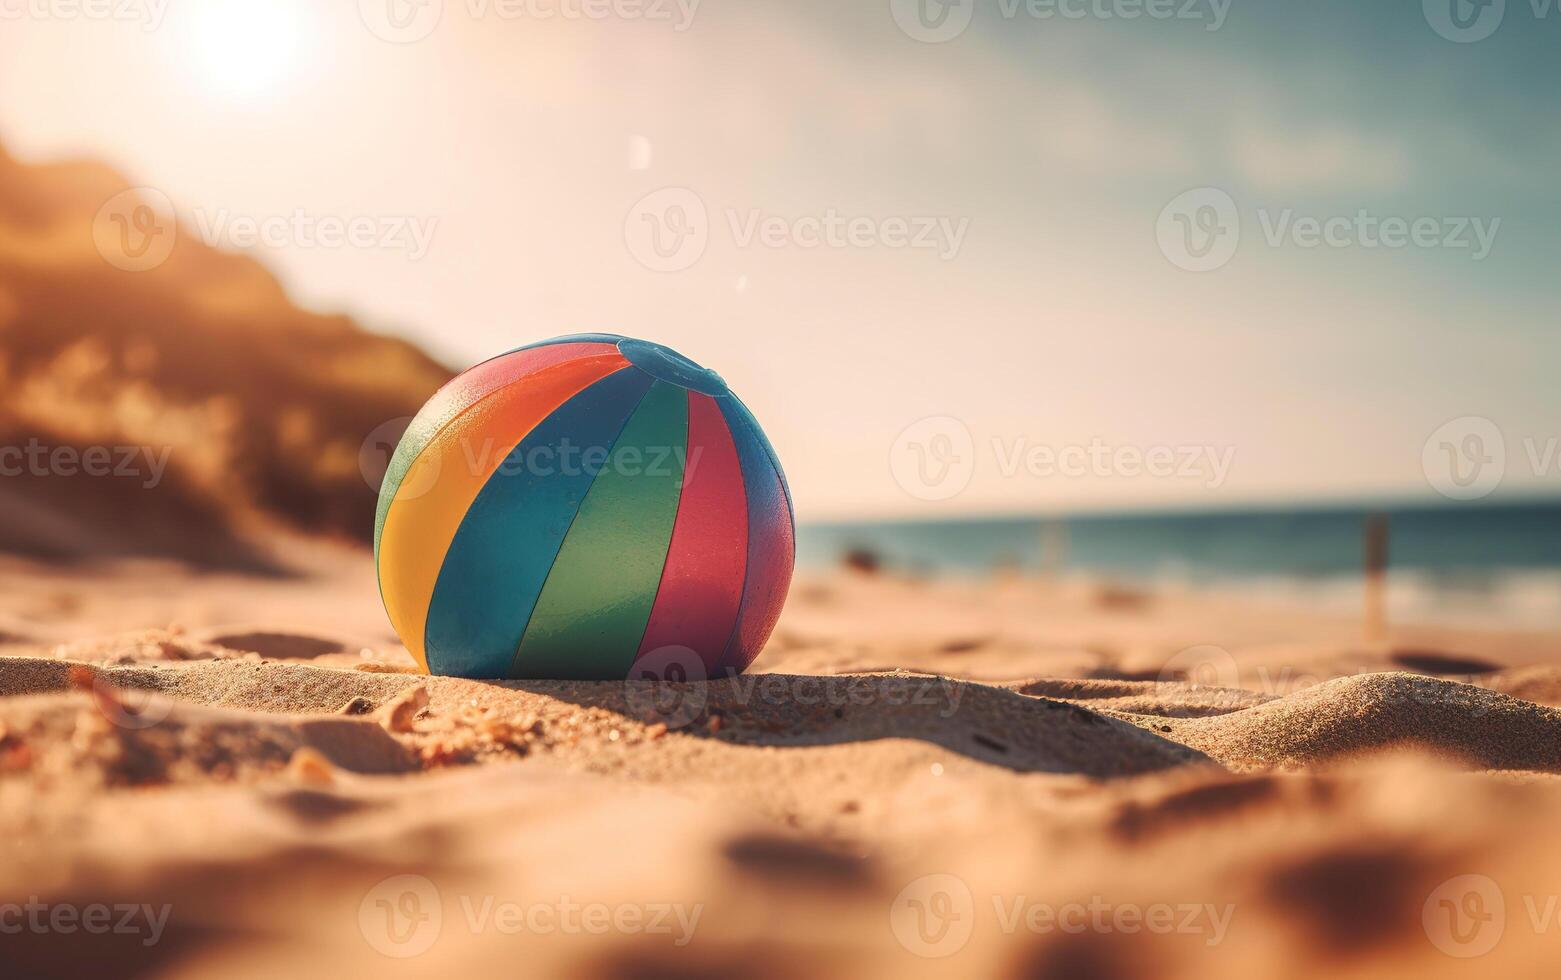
(1147, 418)
(993, 777)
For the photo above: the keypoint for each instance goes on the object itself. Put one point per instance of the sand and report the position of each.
(1010, 778)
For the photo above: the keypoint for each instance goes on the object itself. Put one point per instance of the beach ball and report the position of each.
(580, 508)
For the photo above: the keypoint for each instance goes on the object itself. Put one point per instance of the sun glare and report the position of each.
(245, 48)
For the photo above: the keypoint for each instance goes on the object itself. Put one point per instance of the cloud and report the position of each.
(1327, 158)
(1078, 130)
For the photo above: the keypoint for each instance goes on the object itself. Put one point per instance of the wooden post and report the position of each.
(1375, 619)
(1054, 549)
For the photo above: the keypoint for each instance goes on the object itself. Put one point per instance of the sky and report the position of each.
(986, 256)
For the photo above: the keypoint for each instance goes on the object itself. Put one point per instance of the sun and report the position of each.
(245, 48)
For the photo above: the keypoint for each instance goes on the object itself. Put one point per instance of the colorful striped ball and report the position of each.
(576, 509)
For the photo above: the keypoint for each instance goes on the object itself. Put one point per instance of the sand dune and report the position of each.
(221, 404)
(1352, 715)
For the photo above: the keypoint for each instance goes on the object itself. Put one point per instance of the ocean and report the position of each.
(1486, 565)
